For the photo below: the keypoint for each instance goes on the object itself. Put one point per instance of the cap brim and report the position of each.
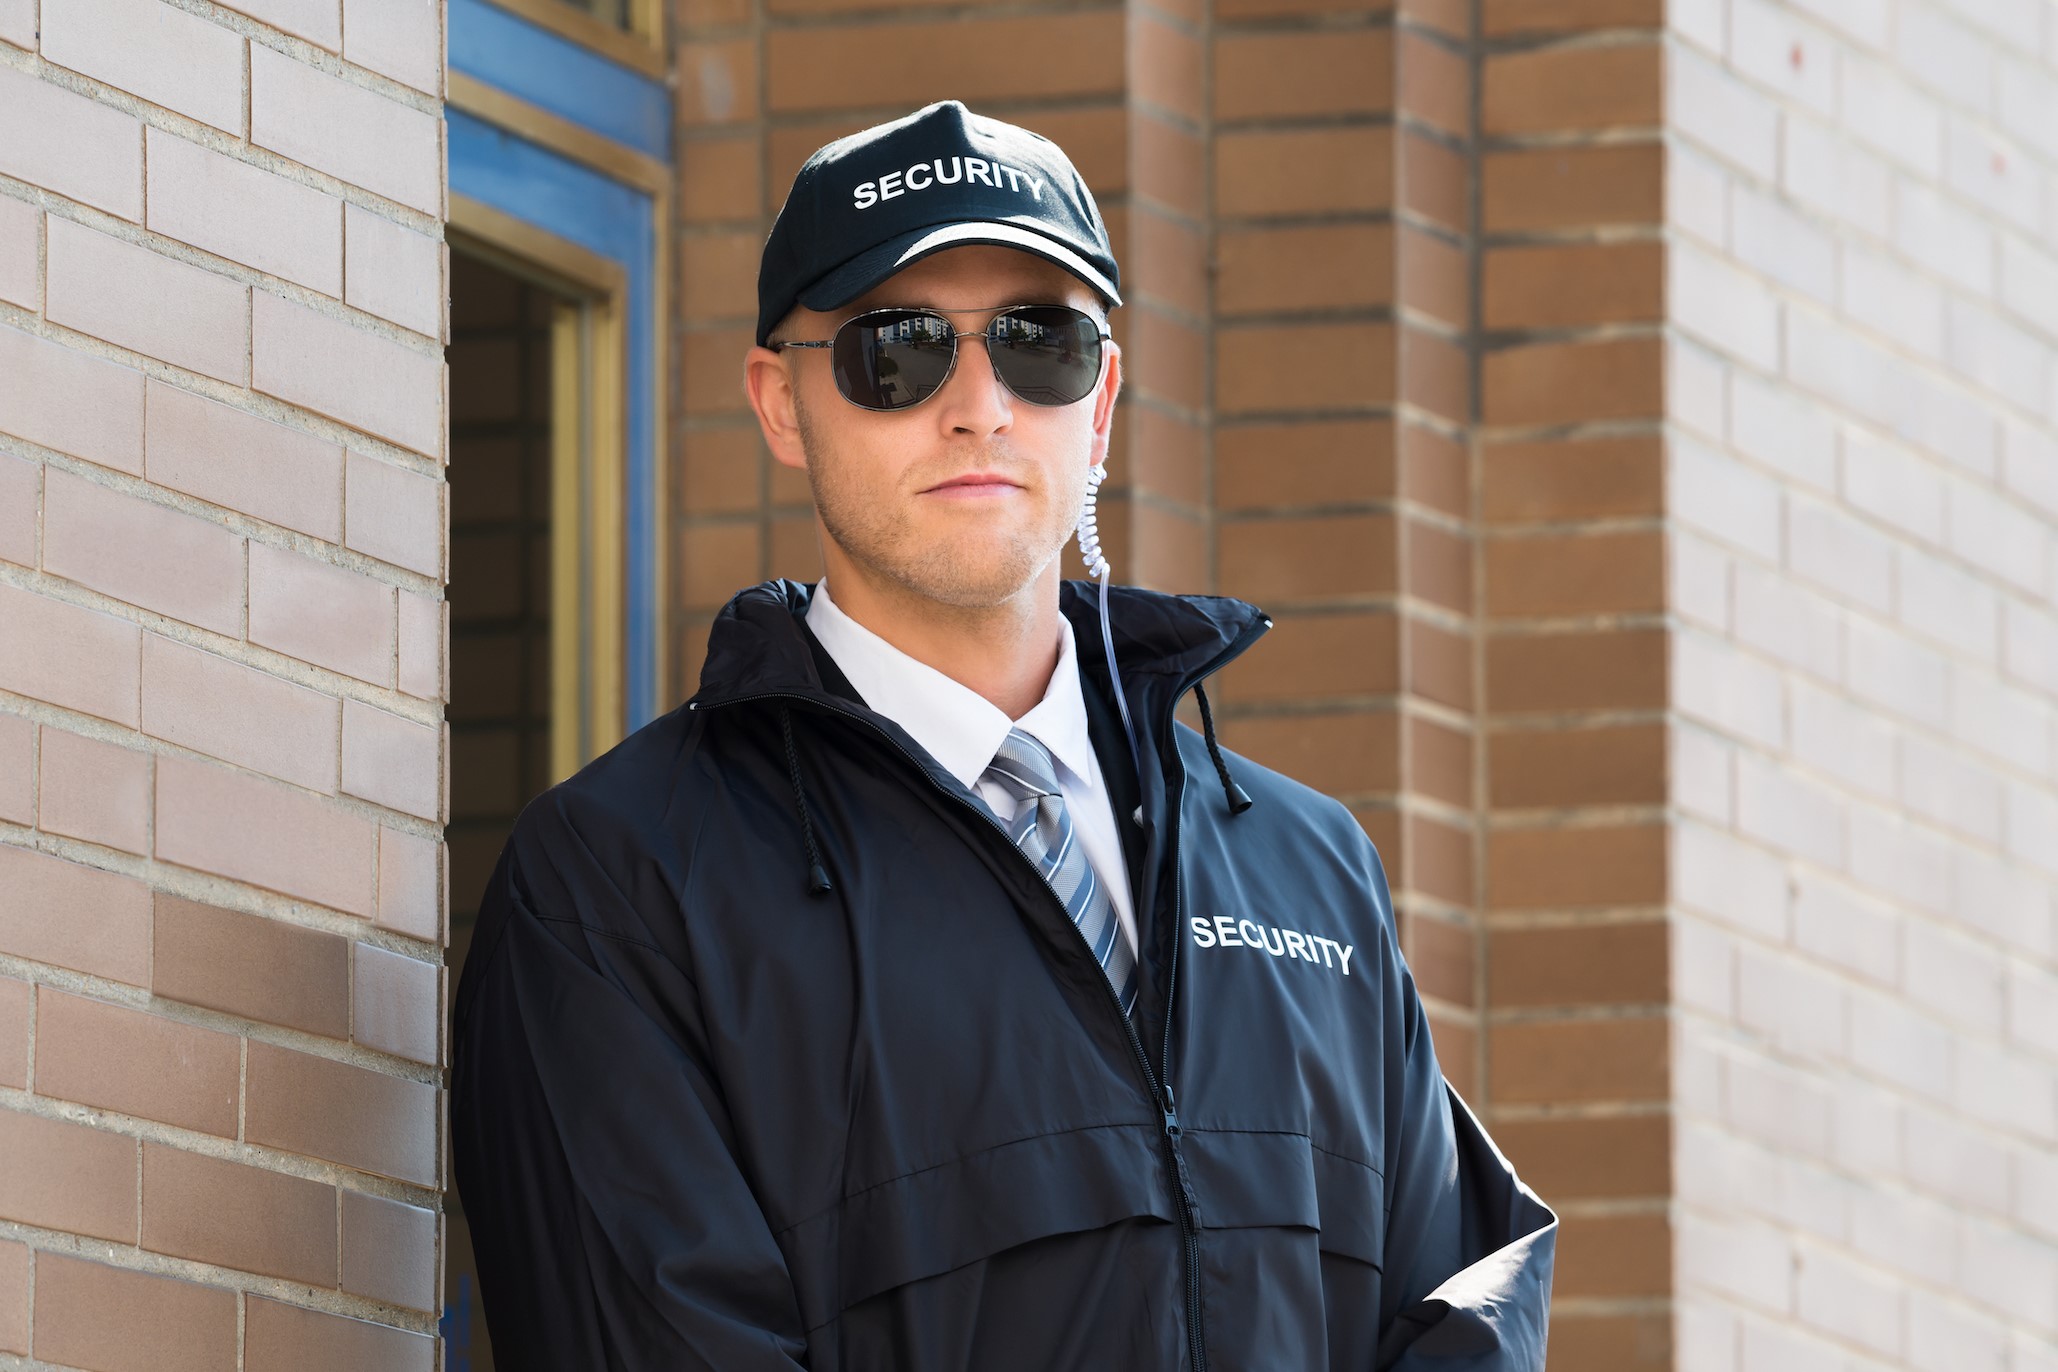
(869, 268)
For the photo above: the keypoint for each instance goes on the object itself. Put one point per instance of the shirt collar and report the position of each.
(960, 728)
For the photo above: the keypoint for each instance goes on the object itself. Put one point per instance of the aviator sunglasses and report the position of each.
(892, 358)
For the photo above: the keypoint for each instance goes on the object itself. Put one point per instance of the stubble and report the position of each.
(969, 567)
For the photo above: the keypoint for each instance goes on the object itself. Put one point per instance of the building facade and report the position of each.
(1640, 420)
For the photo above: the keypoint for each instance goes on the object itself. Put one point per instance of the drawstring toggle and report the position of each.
(1238, 799)
(817, 875)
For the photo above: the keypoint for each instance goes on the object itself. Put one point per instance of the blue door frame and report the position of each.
(552, 133)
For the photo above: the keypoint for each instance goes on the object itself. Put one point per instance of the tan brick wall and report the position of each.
(1342, 231)
(1862, 506)
(222, 425)
(1567, 488)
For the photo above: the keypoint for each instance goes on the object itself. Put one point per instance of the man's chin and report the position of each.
(978, 578)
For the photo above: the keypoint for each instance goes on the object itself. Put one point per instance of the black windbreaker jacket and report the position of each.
(705, 1114)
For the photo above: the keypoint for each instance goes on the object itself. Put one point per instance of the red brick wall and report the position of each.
(1568, 486)
(221, 672)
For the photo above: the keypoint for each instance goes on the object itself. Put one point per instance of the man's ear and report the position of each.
(1104, 401)
(769, 385)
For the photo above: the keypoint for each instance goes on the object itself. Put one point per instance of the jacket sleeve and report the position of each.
(612, 1223)
(1468, 1246)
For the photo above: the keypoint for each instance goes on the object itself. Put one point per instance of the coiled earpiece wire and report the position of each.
(1097, 567)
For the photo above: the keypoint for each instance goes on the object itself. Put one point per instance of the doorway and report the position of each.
(534, 591)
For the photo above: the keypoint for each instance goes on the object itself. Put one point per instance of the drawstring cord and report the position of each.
(1238, 798)
(817, 875)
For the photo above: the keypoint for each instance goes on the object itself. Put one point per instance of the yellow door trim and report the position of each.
(589, 401)
(639, 48)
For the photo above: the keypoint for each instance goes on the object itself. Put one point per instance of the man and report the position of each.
(920, 995)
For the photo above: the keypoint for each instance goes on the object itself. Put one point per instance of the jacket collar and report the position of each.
(759, 644)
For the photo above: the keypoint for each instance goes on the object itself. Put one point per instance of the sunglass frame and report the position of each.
(1101, 338)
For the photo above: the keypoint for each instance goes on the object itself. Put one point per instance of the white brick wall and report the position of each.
(1863, 499)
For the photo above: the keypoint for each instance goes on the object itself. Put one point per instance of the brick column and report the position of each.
(1573, 602)
(1434, 249)
(1156, 517)
(222, 433)
(723, 485)
(1342, 395)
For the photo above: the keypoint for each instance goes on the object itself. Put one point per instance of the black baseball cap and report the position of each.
(865, 206)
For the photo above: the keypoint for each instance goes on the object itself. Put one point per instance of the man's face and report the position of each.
(967, 497)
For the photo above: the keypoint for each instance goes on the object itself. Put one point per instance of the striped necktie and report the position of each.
(1042, 829)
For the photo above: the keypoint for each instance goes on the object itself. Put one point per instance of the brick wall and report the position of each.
(1342, 234)
(1863, 509)
(221, 672)
(1643, 426)
(1569, 457)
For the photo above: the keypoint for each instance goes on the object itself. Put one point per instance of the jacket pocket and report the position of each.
(1263, 1179)
(958, 1212)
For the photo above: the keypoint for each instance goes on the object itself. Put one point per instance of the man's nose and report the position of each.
(974, 400)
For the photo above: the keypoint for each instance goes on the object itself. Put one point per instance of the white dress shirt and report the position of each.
(962, 730)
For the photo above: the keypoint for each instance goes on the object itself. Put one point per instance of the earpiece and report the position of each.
(1097, 568)
(1089, 525)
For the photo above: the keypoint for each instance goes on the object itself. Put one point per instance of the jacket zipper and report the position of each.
(1160, 1088)
(1189, 1204)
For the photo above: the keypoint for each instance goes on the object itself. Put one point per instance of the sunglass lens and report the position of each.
(889, 359)
(1047, 354)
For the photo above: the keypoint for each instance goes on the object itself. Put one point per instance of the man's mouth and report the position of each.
(974, 484)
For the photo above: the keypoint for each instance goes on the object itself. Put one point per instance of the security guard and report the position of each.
(921, 994)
